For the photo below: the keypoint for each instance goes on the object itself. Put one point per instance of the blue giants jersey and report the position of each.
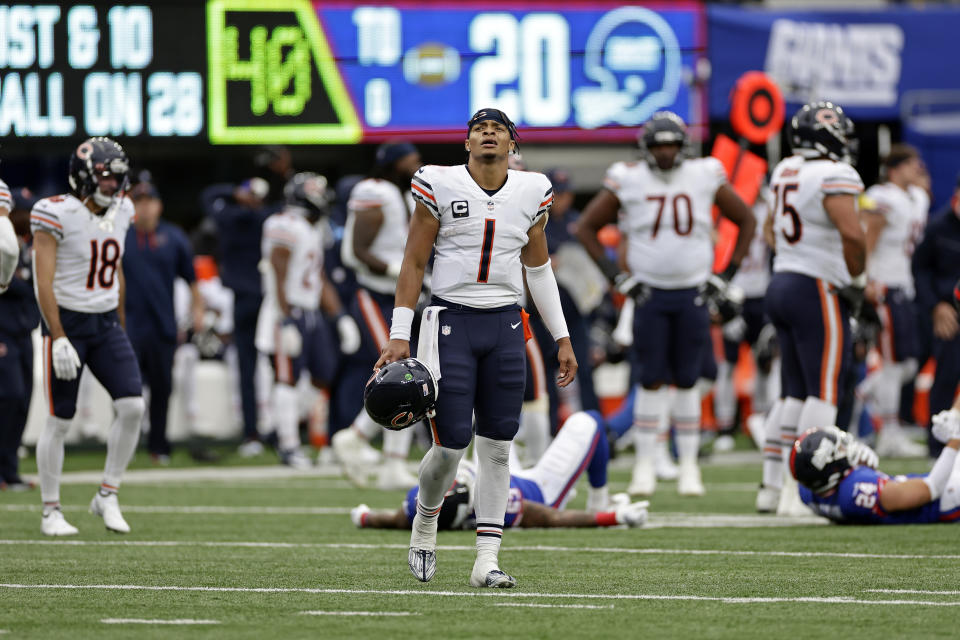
(520, 489)
(857, 501)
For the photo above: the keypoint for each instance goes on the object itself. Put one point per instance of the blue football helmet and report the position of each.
(400, 394)
(96, 158)
(310, 193)
(822, 130)
(820, 459)
(663, 127)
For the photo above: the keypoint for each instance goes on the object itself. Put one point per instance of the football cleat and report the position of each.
(356, 455)
(393, 474)
(689, 483)
(644, 480)
(108, 508)
(295, 459)
(790, 505)
(666, 468)
(493, 579)
(250, 449)
(422, 563)
(54, 524)
(767, 499)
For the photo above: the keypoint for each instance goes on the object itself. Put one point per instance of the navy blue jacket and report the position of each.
(19, 314)
(239, 229)
(936, 262)
(151, 263)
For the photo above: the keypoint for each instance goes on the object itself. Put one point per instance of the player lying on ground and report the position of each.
(839, 479)
(537, 495)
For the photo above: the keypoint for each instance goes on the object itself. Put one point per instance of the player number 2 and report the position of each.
(103, 263)
(486, 249)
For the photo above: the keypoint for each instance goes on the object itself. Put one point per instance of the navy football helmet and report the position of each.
(823, 130)
(663, 127)
(820, 459)
(96, 158)
(310, 193)
(400, 394)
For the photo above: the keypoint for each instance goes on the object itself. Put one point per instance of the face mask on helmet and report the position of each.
(310, 193)
(663, 128)
(96, 161)
(823, 130)
(400, 394)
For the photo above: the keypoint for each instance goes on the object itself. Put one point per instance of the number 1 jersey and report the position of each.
(89, 250)
(477, 258)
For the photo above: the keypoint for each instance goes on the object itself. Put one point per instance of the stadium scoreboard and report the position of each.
(227, 72)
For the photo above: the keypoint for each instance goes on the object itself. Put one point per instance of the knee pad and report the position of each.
(130, 410)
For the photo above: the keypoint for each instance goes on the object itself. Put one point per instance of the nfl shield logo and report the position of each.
(489, 205)
(445, 329)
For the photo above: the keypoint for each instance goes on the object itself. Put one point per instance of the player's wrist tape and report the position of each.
(393, 270)
(606, 519)
(543, 289)
(401, 324)
(937, 479)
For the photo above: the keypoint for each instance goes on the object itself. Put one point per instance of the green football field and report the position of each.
(260, 552)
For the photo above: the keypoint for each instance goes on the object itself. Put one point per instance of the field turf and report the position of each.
(257, 552)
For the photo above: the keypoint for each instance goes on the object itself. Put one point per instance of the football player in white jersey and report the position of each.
(9, 245)
(485, 223)
(895, 219)
(290, 328)
(78, 241)
(818, 274)
(668, 199)
(378, 216)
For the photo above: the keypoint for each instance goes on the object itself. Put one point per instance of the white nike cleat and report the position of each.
(108, 508)
(250, 449)
(689, 483)
(666, 468)
(356, 455)
(492, 579)
(296, 459)
(644, 480)
(724, 443)
(54, 524)
(422, 563)
(767, 499)
(393, 474)
(893, 442)
(755, 427)
(790, 505)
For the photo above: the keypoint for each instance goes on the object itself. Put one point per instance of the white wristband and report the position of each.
(401, 324)
(393, 270)
(543, 289)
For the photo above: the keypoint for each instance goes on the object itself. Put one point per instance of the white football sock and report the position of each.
(122, 439)
(285, 413)
(816, 413)
(724, 397)
(364, 425)
(773, 448)
(437, 472)
(490, 505)
(396, 444)
(535, 426)
(686, 416)
(50, 457)
(647, 411)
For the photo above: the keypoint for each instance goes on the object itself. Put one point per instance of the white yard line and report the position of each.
(553, 606)
(917, 591)
(471, 548)
(145, 621)
(359, 613)
(294, 511)
(496, 593)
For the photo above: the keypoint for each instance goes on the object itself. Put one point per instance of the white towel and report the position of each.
(428, 351)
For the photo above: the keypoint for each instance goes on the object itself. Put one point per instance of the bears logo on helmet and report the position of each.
(663, 127)
(822, 129)
(401, 393)
(94, 159)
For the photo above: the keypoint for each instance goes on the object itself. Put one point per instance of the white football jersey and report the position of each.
(391, 238)
(753, 276)
(669, 219)
(89, 250)
(5, 198)
(477, 251)
(807, 241)
(303, 284)
(906, 214)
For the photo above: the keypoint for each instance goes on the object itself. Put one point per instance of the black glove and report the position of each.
(722, 298)
(631, 287)
(853, 295)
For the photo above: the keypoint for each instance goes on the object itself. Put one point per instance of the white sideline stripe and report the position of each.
(311, 511)
(498, 593)
(657, 521)
(918, 591)
(358, 613)
(554, 606)
(145, 621)
(550, 549)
